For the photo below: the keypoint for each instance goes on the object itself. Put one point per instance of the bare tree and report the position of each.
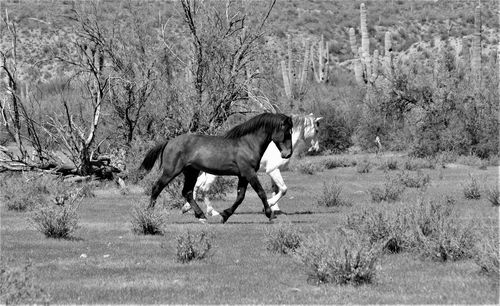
(86, 56)
(10, 106)
(225, 43)
(139, 63)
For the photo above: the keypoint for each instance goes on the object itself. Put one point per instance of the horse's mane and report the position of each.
(267, 121)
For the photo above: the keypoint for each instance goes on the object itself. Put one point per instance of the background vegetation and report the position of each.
(106, 77)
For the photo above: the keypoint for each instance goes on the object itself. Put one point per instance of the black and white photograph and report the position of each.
(250, 152)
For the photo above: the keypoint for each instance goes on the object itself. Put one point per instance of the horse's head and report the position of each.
(282, 137)
(307, 129)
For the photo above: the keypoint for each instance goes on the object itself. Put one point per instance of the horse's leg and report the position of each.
(204, 188)
(190, 177)
(199, 182)
(242, 188)
(158, 186)
(254, 182)
(279, 184)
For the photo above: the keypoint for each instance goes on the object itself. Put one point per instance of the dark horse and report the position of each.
(238, 153)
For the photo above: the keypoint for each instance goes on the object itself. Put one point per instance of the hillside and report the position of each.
(43, 26)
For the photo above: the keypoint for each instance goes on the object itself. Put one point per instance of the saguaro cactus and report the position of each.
(476, 48)
(294, 80)
(366, 66)
(321, 69)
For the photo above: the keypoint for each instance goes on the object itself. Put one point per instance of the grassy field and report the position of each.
(107, 263)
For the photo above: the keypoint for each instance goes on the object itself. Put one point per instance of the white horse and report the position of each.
(305, 128)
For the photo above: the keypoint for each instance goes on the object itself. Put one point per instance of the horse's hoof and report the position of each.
(272, 216)
(213, 213)
(223, 218)
(186, 208)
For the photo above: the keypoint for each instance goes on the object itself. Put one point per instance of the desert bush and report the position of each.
(389, 164)
(338, 162)
(193, 245)
(364, 166)
(56, 221)
(414, 163)
(147, 221)
(283, 238)
(17, 286)
(471, 190)
(331, 195)
(416, 180)
(493, 195)
(307, 167)
(391, 191)
(346, 261)
(469, 160)
(388, 228)
(487, 253)
(439, 233)
(22, 194)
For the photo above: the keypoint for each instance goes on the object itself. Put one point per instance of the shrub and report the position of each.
(331, 196)
(389, 164)
(193, 245)
(338, 162)
(348, 261)
(391, 191)
(364, 166)
(414, 163)
(55, 221)
(388, 228)
(308, 167)
(417, 180)
(439, 234)
(493, 195)
(18, 287)
(21, 194)
(147, 221)
(283, 239)
(487, 253)
(471, 189)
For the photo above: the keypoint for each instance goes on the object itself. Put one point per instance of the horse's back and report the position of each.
(212, 154)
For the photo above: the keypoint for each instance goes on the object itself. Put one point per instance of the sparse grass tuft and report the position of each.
(417, 180)
(391, 191)
(308, 167)
(283, 238)
(471, 189)
(493, 195)
(147, 221)
(193, 245)
(331, 196)
(56, 221)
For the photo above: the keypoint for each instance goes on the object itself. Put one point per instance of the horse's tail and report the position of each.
(151, 157)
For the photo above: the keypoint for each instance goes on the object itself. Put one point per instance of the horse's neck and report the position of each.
(259, 142)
